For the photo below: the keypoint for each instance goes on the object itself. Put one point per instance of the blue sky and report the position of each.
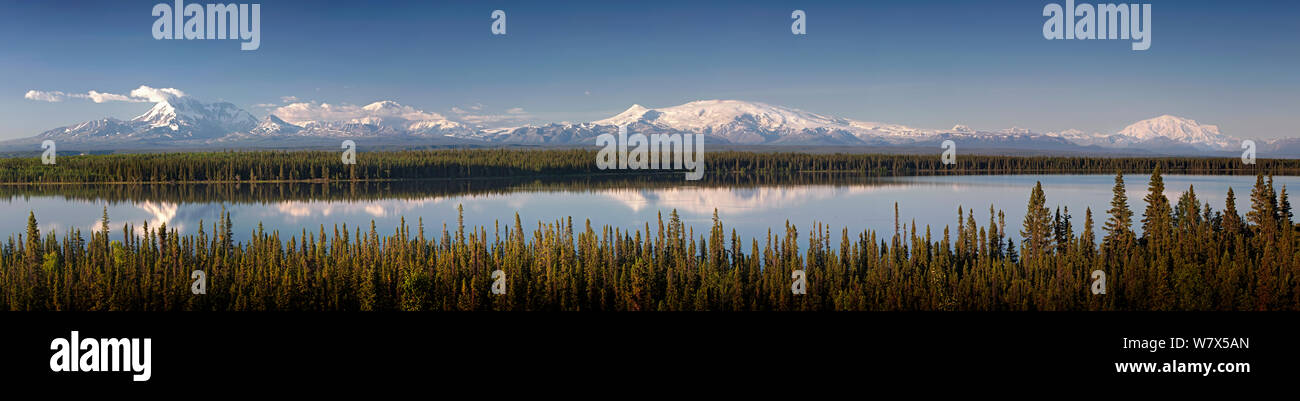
(923, 63)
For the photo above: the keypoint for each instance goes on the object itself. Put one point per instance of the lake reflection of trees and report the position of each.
(401, 189)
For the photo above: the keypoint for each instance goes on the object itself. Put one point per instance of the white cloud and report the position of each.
(156, 94)
(162, 213)
(302, 112)
(494, 120)
(98, 97)
(141, 94)
(289, 99)
(313, 209)
(512, 116)
(43, 96)
(94, 96)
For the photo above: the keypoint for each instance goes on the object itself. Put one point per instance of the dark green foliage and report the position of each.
(663, 266)
(322, 166)
(1119, 227)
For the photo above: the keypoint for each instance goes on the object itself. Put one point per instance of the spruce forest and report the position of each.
(1186, 256)
(318, 166)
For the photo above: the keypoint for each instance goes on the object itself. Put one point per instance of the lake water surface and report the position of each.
(752, 210)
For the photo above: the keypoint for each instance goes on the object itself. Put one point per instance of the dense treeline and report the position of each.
(1187, 257)
(265, 166)
(263, 192)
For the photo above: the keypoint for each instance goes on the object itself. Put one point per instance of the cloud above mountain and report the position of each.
(94, 96)
(156, 94)
(303, 112)
(138, 95)
(475, 117)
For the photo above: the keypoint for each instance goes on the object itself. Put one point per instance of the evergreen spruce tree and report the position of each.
(1231, 219)
(32, 248)
(1187, 213)
(1119, 225)
(1087, 239)
(1038, 223)
(1261, 215)
(1156, 219)
(1284, 208)
(1272, 199)
(103, 222)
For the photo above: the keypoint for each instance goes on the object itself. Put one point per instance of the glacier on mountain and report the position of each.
(184, 119)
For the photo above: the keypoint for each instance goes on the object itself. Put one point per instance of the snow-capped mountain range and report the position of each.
(753, 123)
(182, 121)
(1165, 129)
(172, 118)
(757, 123)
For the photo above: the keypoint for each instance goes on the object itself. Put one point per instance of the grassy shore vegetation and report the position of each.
(1187, 257)
(281, 166)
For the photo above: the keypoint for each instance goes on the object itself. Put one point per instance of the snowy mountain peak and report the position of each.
(383, 105)
(273, 121)
(626, 117)
(271, 118)
(754, 122)
(181, 119)
(391, 115)
(701, 115)
(1176, 129)
(163, 114)
(177, 113)
(273, 125)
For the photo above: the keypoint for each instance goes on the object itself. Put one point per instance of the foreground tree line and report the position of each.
(1187, 257)
(318, 166)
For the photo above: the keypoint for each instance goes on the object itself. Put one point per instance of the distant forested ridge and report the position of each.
(262, 192)
(1188, 257)
(266, 166)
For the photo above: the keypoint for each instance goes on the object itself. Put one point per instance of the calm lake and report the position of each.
(752, 209)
